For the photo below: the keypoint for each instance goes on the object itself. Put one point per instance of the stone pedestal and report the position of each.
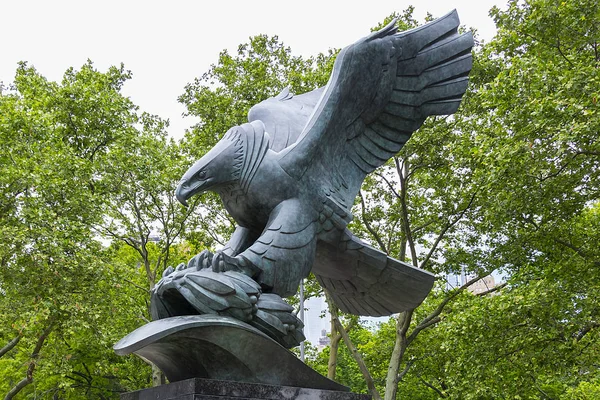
(208, 389)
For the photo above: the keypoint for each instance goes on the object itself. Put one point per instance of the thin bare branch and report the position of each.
(135, 285)
(357, 357)
(558, 47)
(587, 329)
(577, 250)
(405, 370)
(432, 318)
(368, 225)
(492, 290)
(388, 183)
(128, 241)
(421, 227)
(448, 226)
(430, 386)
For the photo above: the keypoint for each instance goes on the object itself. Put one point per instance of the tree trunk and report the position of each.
(334, 345)
(357, 357)
(391, 381)
(158, 378)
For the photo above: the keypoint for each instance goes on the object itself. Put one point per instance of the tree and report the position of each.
(57, 285)
(142, 211)
(536, 126)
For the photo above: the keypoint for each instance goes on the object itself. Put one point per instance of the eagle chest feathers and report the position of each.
(256, 187)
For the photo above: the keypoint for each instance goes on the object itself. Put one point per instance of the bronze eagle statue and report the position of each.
(290, 175)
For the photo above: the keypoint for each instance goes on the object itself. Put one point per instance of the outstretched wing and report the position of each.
(381, 90)
(365, 281)
(284, 116)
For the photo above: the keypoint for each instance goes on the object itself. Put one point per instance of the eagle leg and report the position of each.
(285, 251)
(241, 239)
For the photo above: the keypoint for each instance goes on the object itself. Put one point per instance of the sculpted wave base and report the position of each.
(223, 348)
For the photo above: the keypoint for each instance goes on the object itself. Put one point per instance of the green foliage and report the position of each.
(142, 210)
(58, 285)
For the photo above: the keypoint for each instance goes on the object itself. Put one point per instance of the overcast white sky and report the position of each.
(168, 43)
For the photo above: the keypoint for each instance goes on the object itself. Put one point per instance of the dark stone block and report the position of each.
(208, 389)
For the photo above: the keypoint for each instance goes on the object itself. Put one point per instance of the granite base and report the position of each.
(208, 389)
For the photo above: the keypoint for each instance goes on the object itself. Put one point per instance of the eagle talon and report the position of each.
(167, 272)
(200, 261)
(222, 262)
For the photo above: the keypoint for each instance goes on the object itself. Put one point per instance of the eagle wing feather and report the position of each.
(381, 90)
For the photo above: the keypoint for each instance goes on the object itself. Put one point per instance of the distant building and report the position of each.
(324, 340)
(483, 285)
(154, 237)
(316, 319)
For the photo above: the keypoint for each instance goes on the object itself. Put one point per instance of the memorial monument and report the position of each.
(289, 178)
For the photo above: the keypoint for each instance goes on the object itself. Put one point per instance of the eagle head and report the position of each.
(220, 166)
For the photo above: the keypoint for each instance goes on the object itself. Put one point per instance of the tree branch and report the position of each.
(557, 46)
(32, 363)
(135, 284)
(561, 52)
(389, 184)
(448, 226)
(10, 345)
(546, 395)
(577, 250)
(432, 318)
(492, 290)
(430, 386)
(405, 370)
(368, 225)
(586, 329)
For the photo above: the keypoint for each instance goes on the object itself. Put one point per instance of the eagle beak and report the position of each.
(181, 193)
